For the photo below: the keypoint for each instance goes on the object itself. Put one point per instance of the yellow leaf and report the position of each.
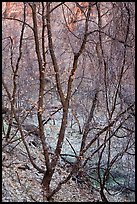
(40, 110)
(72, 77)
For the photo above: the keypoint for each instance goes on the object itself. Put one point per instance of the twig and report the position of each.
(72, 147)
(18, 178)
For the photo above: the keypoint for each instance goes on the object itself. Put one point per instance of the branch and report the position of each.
(15, 19)
(41, 86)
(72, 147)
(53, 57)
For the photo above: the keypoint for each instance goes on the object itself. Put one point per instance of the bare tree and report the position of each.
(78, 58)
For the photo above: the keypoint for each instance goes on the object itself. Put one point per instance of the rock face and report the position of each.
(13, 9)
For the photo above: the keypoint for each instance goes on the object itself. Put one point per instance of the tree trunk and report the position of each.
(103, 197)
(46, 182)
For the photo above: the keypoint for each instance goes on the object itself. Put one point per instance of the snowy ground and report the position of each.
(22, 183)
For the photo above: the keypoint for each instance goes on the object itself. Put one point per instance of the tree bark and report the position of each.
(103, 197)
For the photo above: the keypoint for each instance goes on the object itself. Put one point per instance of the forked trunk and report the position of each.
(103, 197)
(46, 182)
